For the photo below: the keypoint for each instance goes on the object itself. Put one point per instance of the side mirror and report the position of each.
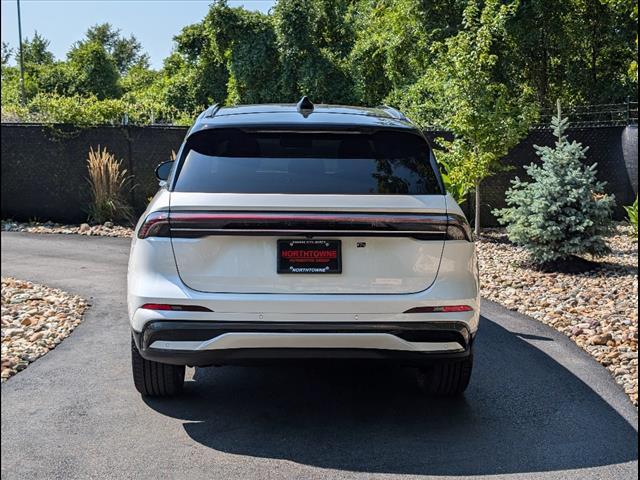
(163, 170)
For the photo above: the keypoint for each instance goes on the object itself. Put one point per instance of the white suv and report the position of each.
(302, 232)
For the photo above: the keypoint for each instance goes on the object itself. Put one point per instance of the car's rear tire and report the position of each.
(154, 378)
(447, 378)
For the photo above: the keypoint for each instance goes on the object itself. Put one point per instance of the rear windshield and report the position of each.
(306, 162)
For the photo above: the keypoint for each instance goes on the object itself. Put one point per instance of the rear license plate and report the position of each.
(309, 256)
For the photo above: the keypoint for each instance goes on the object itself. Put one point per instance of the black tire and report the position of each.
(153, 378)
(446, 378)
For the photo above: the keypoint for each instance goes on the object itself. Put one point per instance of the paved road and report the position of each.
(537, 406)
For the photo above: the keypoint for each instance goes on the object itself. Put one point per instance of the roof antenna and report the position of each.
(305, 106)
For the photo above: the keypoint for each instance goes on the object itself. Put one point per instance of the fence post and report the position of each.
(628, 110)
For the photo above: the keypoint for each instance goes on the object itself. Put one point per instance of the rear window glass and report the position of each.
(311, 162)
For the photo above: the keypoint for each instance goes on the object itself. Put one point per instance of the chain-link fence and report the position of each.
(609, 114)
(116, 112)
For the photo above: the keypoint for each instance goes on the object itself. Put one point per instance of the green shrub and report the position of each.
(89, 110)
(563, 212)
(76, 109)
(456, 188)
(632, 216)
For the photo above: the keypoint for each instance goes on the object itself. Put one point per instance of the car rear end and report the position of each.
(305, 240)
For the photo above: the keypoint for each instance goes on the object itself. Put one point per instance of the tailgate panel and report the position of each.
(383, 252)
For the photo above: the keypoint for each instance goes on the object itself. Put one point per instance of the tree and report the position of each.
(195, 73)
(95, 71)
(602, 47)
(393, 40)
(446, 63)
(311, 65)
(575, 50)
(245, 43)
(6, 54)
(466, 91)
(35, 51)
(57, 78)
(563, 211)
(126, 52)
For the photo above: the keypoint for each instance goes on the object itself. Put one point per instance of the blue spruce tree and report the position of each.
(563, 212)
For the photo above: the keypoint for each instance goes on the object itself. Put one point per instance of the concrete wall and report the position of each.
(44, 174)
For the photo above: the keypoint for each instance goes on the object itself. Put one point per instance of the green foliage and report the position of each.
(563, 211)
(6, 54)
(578, 51)
(633, 66)
(76, 109)
(95, 71)
(58, 78)
(35, 51)
(245, 42)
(10, 91)
(457, 188)
(312, 64)
(482, 68)
(126, 52)
(632, 216)
(393, 45)
(465, 91)
(89, 110)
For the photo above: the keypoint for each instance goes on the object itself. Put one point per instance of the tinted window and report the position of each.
(235, 161)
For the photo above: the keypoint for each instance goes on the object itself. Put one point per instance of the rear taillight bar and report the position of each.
(198, 224)
(155, 225)
(175, 308)
(441, 309)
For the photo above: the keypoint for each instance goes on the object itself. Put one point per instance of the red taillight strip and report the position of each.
(377, 218)
(423, 226)
(155, 225)
(176, 308)
(198, 224)
(441, 309)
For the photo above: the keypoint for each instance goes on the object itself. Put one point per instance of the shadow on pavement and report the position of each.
(523, 412)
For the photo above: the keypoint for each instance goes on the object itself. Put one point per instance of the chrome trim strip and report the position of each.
(376, 341)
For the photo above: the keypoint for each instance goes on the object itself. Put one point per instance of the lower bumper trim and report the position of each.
(266, 356)
(223, 343)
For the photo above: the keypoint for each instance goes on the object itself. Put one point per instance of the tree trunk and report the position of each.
(477, 220)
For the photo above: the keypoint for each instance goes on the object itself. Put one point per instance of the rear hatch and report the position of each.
(307, 213)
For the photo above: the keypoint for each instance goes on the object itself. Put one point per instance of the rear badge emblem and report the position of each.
(361, 244)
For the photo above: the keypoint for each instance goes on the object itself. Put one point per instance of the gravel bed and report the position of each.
(35, 319)
(597, 309)
(108, 229)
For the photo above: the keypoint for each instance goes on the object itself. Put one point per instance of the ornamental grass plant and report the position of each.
(109, 184)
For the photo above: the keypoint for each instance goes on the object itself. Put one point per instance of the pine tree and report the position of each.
(563, 212)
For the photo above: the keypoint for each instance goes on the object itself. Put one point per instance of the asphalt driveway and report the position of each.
(537, 406)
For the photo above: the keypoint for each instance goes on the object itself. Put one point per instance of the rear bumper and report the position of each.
(199, 343)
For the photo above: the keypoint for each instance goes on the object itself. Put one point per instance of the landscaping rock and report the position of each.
(598, 308)
(600, 339)
(108, 229)
(25, 309)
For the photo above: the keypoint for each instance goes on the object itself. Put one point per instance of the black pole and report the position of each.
(21, 58)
